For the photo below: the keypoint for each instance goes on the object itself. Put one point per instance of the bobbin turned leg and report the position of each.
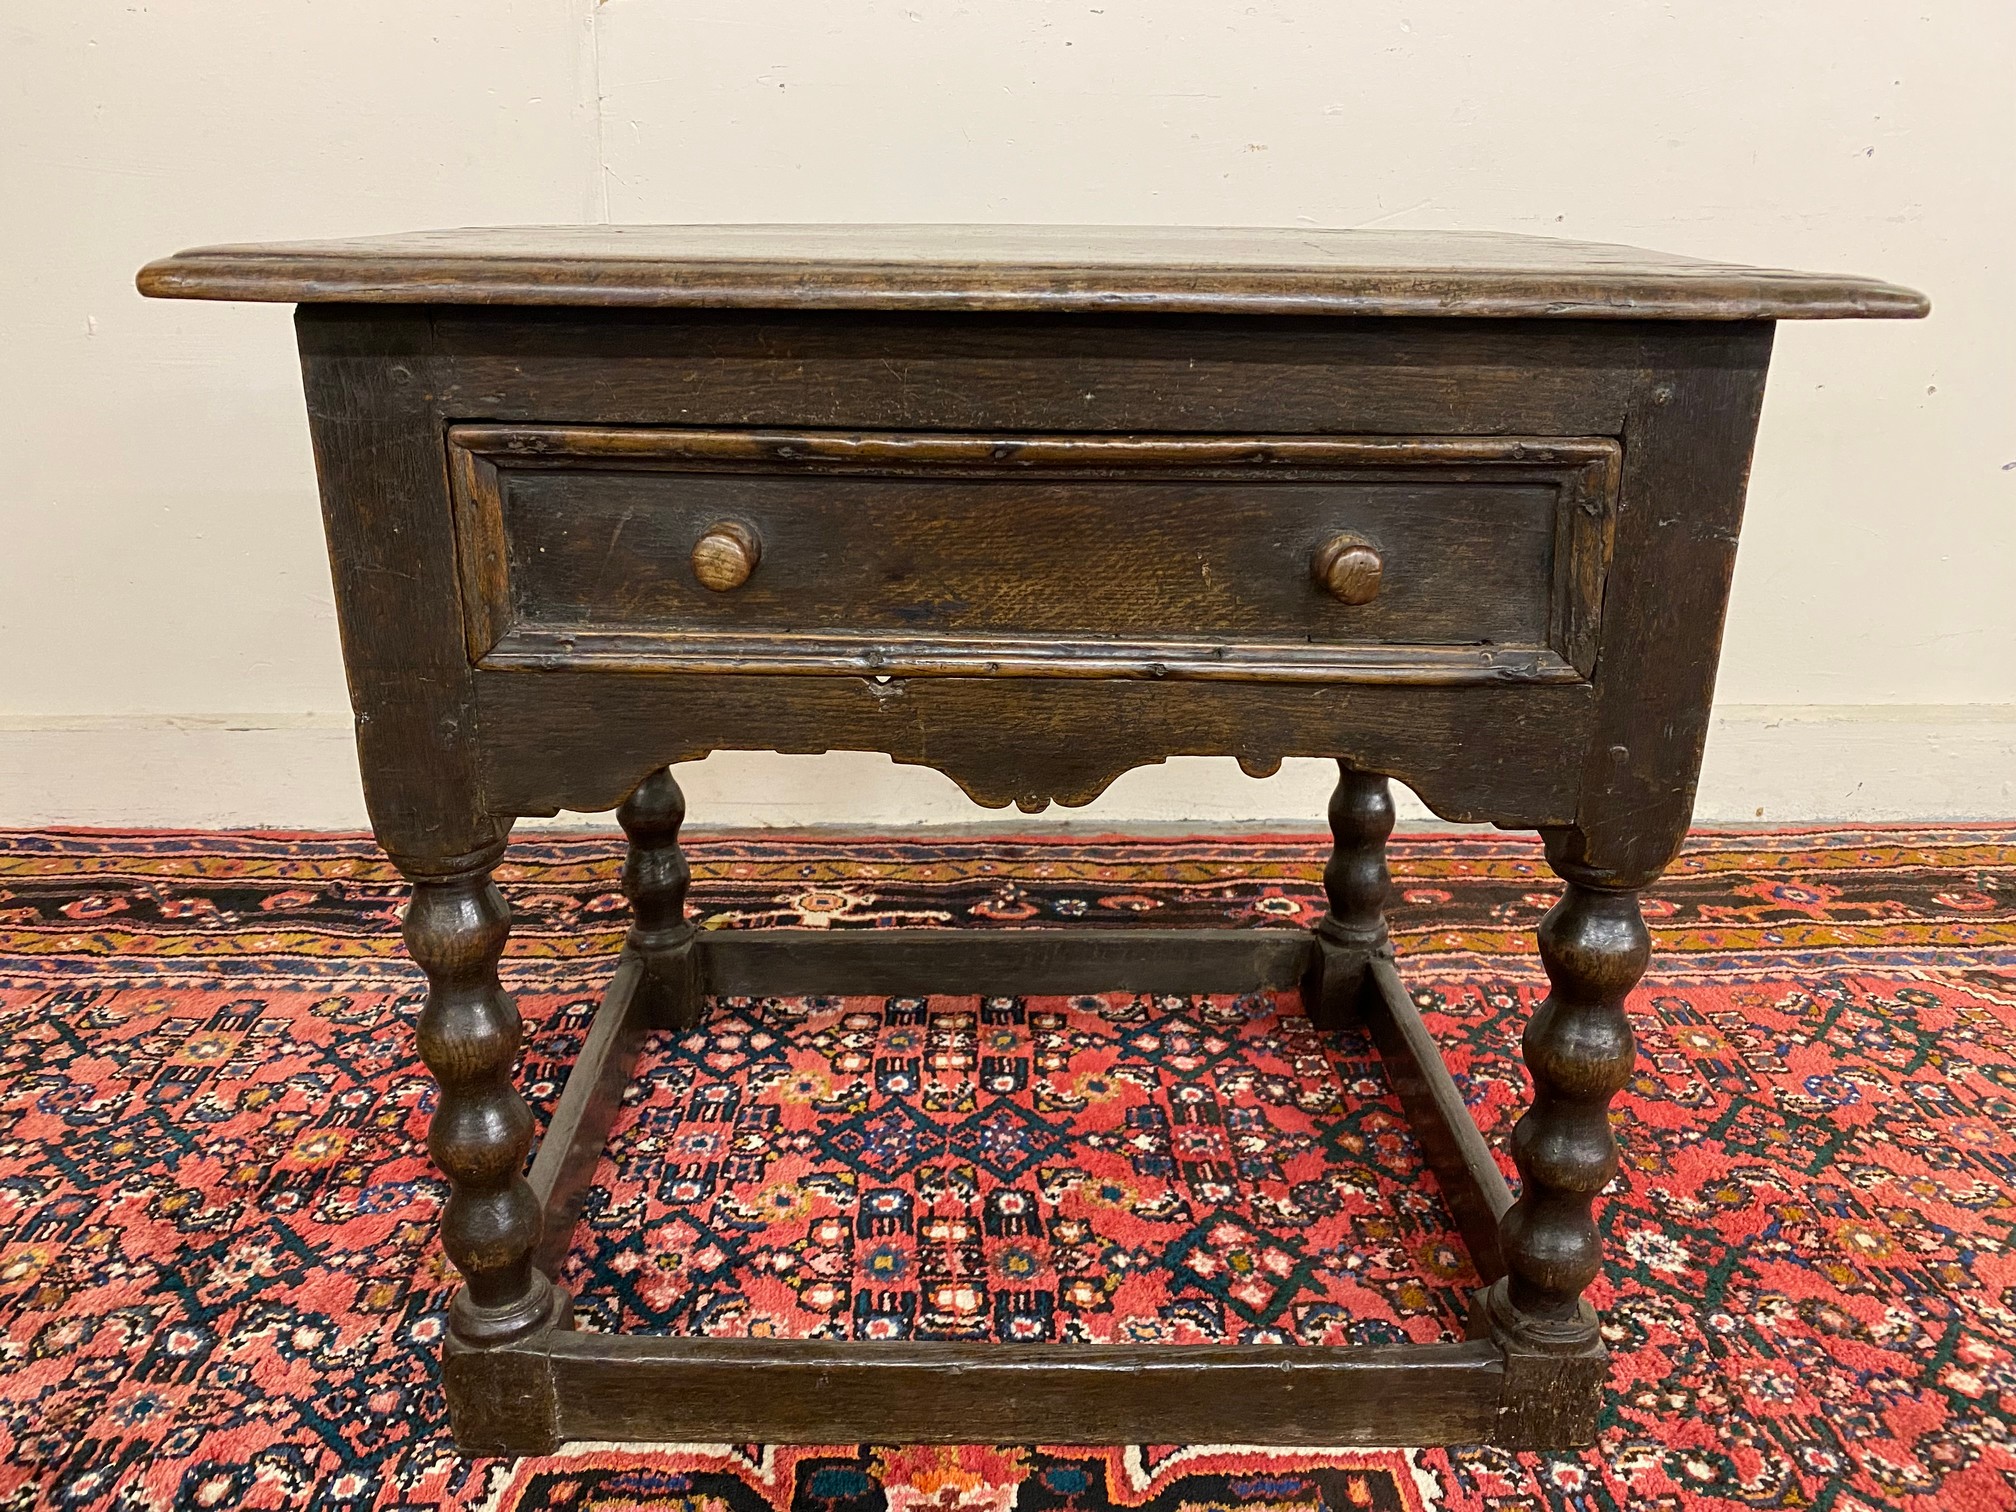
(1356, 881)
(655, 878)
(1579, 1050)
(469, 1035)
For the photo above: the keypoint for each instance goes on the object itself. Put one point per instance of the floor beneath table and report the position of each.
(1102, 1169)
(219, 1281)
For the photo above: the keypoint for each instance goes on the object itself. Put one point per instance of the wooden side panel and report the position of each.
(1687, 446)
(385, 503)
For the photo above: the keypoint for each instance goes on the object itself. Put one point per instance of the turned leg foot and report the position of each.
(655, 878)
(1357, 883)
(1579, 1050)
(469, 1035)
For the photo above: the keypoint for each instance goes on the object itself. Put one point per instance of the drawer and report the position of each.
(1301, 559)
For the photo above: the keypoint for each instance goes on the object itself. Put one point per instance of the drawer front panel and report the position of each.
(905, 555)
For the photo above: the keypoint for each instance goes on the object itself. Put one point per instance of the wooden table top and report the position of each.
(1063, 269)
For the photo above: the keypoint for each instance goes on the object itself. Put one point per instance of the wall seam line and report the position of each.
(601, 115)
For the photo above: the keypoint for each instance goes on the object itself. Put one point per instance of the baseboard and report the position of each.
(1771, 763)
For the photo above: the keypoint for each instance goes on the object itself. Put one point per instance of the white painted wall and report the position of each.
(167, 645)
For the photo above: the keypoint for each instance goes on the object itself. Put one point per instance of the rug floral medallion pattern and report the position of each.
(220, 1287)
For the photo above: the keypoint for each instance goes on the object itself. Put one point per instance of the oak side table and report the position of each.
(1032, 507)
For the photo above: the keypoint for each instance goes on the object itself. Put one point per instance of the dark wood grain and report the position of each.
(1687, 446)
(503, 1400)
(1472, 1185)
(391, 537)
(802, 1391)
(1498, 754)
(1266, 271)
(571, 1148)
(1553, 1389)
(1028, 375)
(1010, 555)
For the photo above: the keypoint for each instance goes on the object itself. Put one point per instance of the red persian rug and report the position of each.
(219, 1285)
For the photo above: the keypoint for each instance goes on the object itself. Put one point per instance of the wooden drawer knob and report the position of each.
(1348, 569)
(726, 555)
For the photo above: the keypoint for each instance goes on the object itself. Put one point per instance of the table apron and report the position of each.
(1507, 755)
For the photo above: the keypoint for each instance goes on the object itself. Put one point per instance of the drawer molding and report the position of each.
(502, 637)
(879, 656)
